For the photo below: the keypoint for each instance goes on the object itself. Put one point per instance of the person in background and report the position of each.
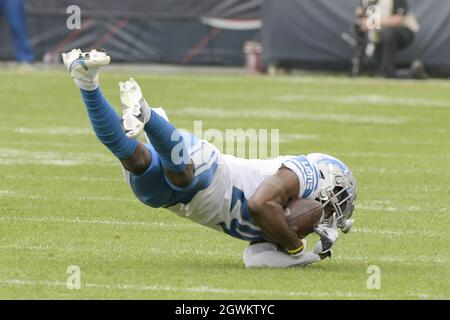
(397, 31)
(14, 12)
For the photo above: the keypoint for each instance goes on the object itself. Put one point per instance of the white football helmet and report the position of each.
(337, 188)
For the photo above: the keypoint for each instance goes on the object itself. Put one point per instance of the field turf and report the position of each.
(63, 200)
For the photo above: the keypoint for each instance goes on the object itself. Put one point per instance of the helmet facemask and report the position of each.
(340, 201)
(337, 190)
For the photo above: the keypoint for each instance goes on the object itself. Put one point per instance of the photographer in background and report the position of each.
(398, 28)
(15, 14)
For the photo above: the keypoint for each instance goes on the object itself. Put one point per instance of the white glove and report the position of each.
(328, 234)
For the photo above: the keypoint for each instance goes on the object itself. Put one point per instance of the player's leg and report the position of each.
(171, 177)
(389, 43)
(266, 254)
(15, 15)
(170, 144)
(106, 123)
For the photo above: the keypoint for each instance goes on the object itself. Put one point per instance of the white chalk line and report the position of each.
(71, 131)
(421, 189)
(12, 194)
(171, 252)
(44, 162)
(374, 206)
(284, 138)
(415, 260)
(78, 220)
(7, 193)
(20, 157)
(205, 289)
(58, 131)
(49, 145)
(363, 101)
(382, 231)
(387, 206)
(388, 171)
(112, 162)
(63, 178)
(294, 137)
(398, 155)
(415, 188)
(189, 226)
(291, 115)
(341, 81)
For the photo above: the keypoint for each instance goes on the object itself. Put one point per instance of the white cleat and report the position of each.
(132, 126)
(136, 111)
(84, 66)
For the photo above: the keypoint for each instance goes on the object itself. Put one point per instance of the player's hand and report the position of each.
(359, 12)
(328, 234)
(363, 24)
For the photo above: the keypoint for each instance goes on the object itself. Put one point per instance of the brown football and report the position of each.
(303, 215)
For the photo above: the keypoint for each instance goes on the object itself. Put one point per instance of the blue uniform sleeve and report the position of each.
(307, 173)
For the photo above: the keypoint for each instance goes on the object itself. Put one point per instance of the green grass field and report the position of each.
(63, 200)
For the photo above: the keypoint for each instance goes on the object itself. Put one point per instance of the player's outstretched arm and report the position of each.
(266, 208)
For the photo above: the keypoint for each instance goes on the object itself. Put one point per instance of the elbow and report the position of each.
(258, 209)
(255, 207)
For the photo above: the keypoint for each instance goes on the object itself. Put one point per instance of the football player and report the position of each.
(191, 177)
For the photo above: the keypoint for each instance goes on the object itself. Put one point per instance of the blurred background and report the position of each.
(287, 34)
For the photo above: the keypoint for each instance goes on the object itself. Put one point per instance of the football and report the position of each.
(303, 215)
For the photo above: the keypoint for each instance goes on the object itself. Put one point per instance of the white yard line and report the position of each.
(374, 205)
(382, 231)
(77, 220)
(18, 156)
(422, 189)
(12, 194)
(64, 178)
(204, 289)
(65, 131)
(419, 260)
(415, 260)
(285, 114)
(388, 171)
(390, 155)
(314, 95)
(44, 162)
(389, 208)
(48, 144)
(7, 193)
(188, 225)
(293, 137)
(341, 81)
(170, 252)
(363, 101)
